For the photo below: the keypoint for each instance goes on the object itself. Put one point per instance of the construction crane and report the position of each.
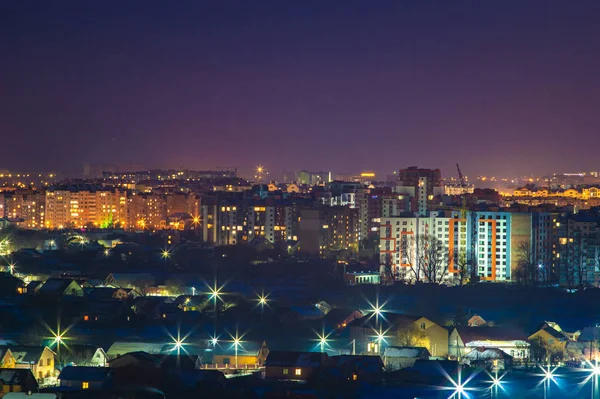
(463, 185)
(461, 178)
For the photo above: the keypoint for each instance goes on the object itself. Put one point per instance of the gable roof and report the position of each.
(410, 352)
(78, 373)
(470, 334)
(295, 359)
(55, 285)
(26, 354)
(486, 354)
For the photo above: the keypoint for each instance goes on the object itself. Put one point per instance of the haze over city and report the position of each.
(501, 87)
(299, 199)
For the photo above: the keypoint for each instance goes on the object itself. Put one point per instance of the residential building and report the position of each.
(250, 354)
(17, 380)
(422, 184)
(39, 359)
(324, 229)
(84, 378)
(499, 241)
(147, 211)
(313, 178)
(296, 366)
(400, 330)
(576, 250)
(509, 340)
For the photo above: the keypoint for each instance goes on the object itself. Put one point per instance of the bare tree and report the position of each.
(433, 257)
(462, 266)
(409, 336)
(409, 250)
(527, 270)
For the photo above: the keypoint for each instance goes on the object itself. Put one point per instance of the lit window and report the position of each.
(86, 318)
(286, 371)
(298, 371)
(85, 385)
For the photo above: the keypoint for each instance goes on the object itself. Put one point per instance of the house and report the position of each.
(510, 340)
(84, 355)
(40, 359)
(7, 360)
(552, 336)
(362, 368)
(60, 287)
(402, 330)
(298, 366)
(17, 380)
(84, 377)
(490, 358)
(399, 357)
(248, 354)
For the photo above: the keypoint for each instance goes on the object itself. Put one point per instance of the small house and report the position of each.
(247, 355)
(60, 287)
(17, 380)
(399, 357)
(82, 377)
(40, 359)
(297, 366)
(489, 358)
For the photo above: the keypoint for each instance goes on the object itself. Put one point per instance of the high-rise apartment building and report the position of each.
(495, 241)
(85, 207)
(422, 184)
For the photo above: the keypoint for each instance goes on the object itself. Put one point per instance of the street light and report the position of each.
(237, 342)
(165, 254)
(106, 252)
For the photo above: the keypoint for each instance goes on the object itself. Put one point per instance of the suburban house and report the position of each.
(489, 358)
(82, 377)
(553, 336)
(297, 366)
(17, 380)
(248, 354)
(399, 357)
(60, 287)
(402, 330)
(510, 340)
(39, 359)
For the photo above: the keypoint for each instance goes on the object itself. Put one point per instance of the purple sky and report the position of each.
(499, 86)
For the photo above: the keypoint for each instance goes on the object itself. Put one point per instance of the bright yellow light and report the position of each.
(367, 174)
(106, 252)
(165, 254)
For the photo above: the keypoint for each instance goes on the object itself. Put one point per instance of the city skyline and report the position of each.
(501, 89)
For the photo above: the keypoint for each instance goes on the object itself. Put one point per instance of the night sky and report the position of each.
(501, 87)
